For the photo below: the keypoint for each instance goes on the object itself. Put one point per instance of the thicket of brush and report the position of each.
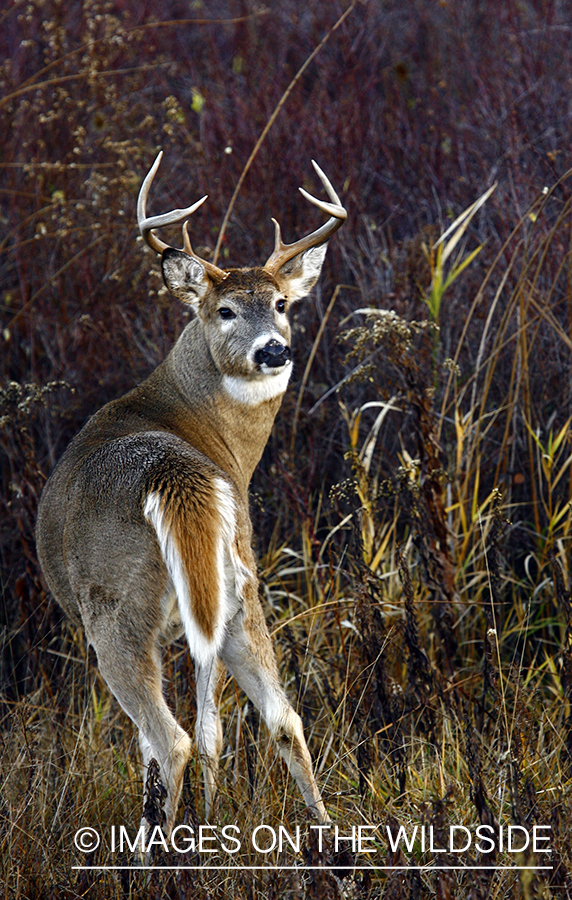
(412, 510)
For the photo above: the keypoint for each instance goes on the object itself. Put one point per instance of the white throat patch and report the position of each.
(252, 391)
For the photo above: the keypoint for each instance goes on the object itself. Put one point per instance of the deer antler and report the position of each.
(282, 253)
(148, 223)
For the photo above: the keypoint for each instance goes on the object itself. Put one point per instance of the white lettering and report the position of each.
(139, 841)
(338, 838)
(284, 836)
(188, 836)
(539, 837)
(272, 838)
(401, 836)
(204, 837)
(433, 849)
(225, 834)
(365, 837)
(452, 847)
(157, 838)
(320, 829)
(511, 830)
(479, 833)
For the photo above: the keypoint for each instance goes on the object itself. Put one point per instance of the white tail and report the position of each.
(143, 529)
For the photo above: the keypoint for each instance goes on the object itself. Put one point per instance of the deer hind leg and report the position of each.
(209, 679)
(249, 655)
(195, 527)
(133, 674)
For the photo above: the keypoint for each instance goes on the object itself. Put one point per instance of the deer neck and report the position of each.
(229, 425)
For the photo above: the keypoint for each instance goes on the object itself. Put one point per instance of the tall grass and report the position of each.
(412, 511)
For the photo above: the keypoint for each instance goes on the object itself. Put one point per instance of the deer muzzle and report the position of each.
(273, 355)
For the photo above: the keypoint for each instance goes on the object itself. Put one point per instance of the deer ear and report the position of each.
(185, 277)
(298, 276)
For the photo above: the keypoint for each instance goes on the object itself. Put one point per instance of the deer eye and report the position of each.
(226, 313)
(280, 306)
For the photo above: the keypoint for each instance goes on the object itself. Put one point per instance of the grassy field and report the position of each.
(412, 510)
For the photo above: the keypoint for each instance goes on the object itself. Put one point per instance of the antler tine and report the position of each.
(282, 252)
(212, 271)
(148, 223)
(328, 186)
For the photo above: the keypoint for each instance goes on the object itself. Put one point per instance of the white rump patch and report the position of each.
(232, 573)
(202, 649)
(252, 391)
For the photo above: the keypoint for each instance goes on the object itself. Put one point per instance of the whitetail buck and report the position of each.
(143, 529)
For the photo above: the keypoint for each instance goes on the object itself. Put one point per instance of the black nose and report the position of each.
(274, 354)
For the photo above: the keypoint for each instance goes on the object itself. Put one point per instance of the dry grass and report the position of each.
(413, 526)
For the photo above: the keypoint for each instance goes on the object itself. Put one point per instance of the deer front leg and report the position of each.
(288, 733)
(249, 656)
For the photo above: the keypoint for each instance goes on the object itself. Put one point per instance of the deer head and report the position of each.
(243, 311)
